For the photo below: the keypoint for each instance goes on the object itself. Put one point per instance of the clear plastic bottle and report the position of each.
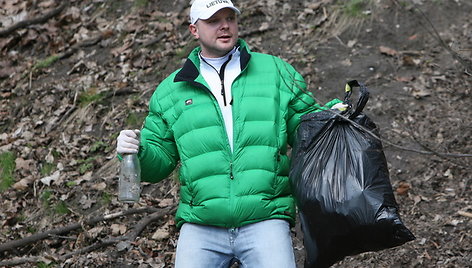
(129, 185)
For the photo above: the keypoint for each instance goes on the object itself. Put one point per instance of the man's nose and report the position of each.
(224, 24)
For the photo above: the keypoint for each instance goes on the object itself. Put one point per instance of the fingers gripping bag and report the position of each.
(340, 180)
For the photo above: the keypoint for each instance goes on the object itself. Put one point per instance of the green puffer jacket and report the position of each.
(220, 187)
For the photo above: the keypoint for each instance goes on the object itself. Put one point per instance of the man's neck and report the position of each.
(208, 55)
(217, 58)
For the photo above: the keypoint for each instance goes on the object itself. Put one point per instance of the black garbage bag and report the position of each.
(341, 183)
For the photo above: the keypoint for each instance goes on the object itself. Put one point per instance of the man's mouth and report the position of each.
(224, 37)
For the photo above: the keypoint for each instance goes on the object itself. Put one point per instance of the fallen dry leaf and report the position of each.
(99, 186)
(86, 202)
(47, 3)
(388, 51)
(405, 78)
(417, 199)
(95, 231)
(166, 202)
(23, 184)
(410, 61)
(161, 234)
(50, 179)
(118, 229)
(420, 93)
(21, 163)
(403, 188)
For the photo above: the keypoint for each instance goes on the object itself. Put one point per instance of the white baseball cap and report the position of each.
(204, 9)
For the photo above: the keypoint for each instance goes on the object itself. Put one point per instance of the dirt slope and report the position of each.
(69, 85)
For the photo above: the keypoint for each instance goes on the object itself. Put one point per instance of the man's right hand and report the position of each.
(128, 142)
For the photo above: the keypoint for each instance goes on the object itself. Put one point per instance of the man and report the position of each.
(228, 115)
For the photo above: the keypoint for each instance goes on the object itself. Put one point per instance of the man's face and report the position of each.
(218, 34)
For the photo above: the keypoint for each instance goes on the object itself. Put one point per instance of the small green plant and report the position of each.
(45, 265)
(46, 62)
(46, 198)
(47, 168)
(71, 183)
(61, 208)
(86, 165)
(31, 229)
(7, 167)
(356, 8)
(21, 218)
(106, 198)
(97, 146)
(89, 96)
(140, 3)
(55, 153)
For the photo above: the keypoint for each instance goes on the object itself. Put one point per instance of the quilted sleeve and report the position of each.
(302, 101)
(158, 152)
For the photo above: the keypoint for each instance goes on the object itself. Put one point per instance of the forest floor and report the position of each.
(71, 82)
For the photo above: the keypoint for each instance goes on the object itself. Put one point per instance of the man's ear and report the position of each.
(193, 30)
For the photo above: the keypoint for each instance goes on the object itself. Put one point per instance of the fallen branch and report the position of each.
(123, 242)
(62, 230)
(37, 20)
(18, 261)
(465, 214)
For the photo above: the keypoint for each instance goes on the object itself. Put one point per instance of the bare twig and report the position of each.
(37, 20)
(467, 63)
(428, 149)
(465, 214)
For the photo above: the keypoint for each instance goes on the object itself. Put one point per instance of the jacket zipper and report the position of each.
(223, 93)
(231, 170)
(221, 74)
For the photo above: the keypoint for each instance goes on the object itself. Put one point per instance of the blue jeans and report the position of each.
(258, 245)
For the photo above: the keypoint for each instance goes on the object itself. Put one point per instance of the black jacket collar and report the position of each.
(189, 71)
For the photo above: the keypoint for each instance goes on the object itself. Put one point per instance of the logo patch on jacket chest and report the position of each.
(189, 102)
